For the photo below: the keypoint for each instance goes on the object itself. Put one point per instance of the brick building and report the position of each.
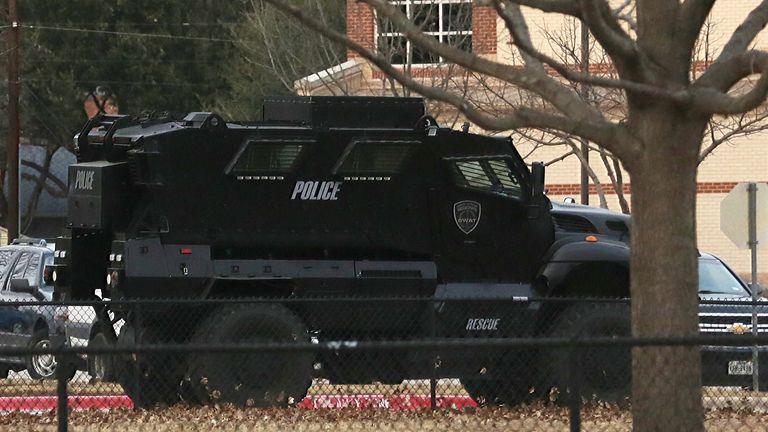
(476, 27)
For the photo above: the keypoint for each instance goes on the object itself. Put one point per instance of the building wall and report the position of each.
(740, 159)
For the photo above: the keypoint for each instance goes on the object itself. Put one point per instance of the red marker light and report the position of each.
(186, 251)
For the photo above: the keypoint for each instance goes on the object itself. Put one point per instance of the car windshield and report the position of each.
(715, 278)
(5, 259)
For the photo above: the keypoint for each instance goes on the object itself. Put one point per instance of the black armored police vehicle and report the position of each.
(328, 197)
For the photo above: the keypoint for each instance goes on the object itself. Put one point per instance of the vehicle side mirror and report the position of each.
(537, 190)
(22, 286)
(537, 182)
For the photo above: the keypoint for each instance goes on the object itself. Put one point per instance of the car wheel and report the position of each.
(43, 366)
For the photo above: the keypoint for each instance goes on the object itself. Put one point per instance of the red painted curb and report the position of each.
(48, 403)
(395, 403)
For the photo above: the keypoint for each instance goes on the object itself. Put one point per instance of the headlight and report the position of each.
(109, 279)
(54, 276)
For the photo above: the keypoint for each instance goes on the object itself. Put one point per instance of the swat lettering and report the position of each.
(483, 323)
(84, 180)
(316, 190)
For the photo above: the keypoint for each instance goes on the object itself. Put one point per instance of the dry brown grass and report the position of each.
(538, 417)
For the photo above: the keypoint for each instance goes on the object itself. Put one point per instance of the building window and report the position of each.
(448, 21)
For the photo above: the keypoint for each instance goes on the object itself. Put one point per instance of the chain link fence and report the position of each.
(352, 363)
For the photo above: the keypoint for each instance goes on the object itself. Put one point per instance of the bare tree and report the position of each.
(658, 140)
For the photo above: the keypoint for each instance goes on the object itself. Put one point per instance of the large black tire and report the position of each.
(601, 373)
(45, 366)
(510, 381)
(261, 379)
(148, 379)
(100, 366)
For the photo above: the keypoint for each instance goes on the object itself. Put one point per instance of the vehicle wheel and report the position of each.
(261, 379)
(603, 373)
(148, 379)
(509, 384)
(100, 366)
(43, 366)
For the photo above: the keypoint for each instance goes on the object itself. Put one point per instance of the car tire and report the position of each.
(100, 366)
(603, 373)
(44, 366)
(259, 379)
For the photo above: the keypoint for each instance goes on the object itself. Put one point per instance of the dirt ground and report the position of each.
(224, 418)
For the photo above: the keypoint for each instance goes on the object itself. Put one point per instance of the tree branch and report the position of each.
(728, 68)
(598, 130)
(566, 7)
(560, 96)
(713, 100)
(752, 126)
(693, 13)
(603, 25)
(509, 11)
(746, 32)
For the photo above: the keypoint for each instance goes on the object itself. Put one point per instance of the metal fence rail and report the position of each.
(392, 364)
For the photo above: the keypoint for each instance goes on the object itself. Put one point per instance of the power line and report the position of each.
(123, 60)
(151, 83)
(138, 24)
(120, 33)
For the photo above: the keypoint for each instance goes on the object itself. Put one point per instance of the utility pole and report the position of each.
(12, 162)
(584, 90)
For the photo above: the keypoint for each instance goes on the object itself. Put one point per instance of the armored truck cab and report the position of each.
(325, 197)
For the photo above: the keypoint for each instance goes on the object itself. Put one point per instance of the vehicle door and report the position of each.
(19, 319)
(484, 223)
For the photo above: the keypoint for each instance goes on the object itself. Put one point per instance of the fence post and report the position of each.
(432, 376)
(62, 397)
(136, 355)
(574, 401)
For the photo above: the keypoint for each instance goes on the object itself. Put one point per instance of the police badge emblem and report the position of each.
(466, 214)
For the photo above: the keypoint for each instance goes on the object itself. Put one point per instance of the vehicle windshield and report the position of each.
(715, 278)
(5, 259)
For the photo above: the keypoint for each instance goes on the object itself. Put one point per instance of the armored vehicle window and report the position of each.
(492, 175)
(507, 180)
(473, 175)
(374, 157)
(259, 157)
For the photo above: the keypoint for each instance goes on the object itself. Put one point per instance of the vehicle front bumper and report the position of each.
(715, 366)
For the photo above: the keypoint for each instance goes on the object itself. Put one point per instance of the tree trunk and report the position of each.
(666, 393)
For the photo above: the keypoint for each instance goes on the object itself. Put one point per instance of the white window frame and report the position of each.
(441, 34)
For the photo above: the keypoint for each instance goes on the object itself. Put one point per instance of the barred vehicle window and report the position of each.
(375, 157)
(260, 157)
(448, 21)
(506, 177)
(473, 175)
(492, 175)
